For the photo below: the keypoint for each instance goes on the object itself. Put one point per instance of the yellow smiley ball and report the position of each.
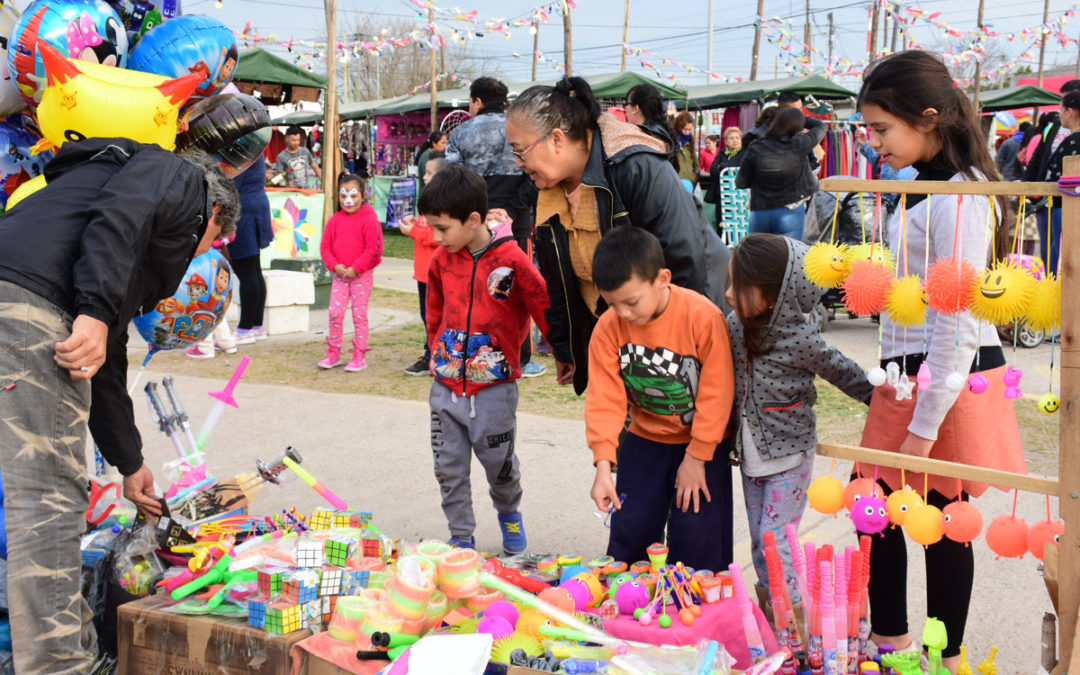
(827, 265)
(1049, 404)
(1002, 294)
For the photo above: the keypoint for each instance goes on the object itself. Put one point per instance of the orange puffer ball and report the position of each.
(1008, 536)
(857, 489)
(1043, 533)
(962, 521)
(950, 285)
(866, 286)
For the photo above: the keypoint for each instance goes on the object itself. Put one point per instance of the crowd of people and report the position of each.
(546, 210)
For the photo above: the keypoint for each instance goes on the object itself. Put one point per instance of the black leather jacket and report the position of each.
(636, 186)
(777, 170)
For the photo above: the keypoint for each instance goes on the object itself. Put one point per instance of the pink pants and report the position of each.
(357, 291)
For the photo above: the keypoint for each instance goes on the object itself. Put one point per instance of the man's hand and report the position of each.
(916, 446)
(688, 480)
(83, 353)
(564, 372)
(139, 490)
(406, 224)
(603, 488)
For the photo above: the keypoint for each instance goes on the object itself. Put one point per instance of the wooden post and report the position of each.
(871, 50)
(568, 52)
(1069, 444)
(1042, 40)
(807, 36)
(536, 48)
(832, 38)
(757, 40)
(434, 78)
(626, 32)
(978, 62)
(708, 42)
(330, 122)
(895, 31)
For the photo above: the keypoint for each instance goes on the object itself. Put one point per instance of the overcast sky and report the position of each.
(681, 36)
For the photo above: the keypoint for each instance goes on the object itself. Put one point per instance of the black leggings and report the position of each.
(950, 569)
(252, 291)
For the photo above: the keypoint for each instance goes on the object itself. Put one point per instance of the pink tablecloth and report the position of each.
(721, 622)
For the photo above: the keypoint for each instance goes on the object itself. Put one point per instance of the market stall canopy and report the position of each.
(447, 100)
(1023, 96)
(276, 80)
(358, 110)
(616, 85)
(300, 118)
(720, 95)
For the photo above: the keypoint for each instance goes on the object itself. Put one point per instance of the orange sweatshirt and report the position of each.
(675, 371)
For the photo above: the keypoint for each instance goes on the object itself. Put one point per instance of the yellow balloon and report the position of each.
(25, 190)
(89, 100)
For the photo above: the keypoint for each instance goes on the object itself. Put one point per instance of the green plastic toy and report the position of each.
(935, 639)
(904, 663)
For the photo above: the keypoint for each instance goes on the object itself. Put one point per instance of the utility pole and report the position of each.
(568, 53)
(978, 61)
(1042, 41)
(895, 31)
(626, 32)
(709, 41)
(536, 47)
(434, 77)
(330, 122)
(757, 40)
(871, 48)
(776, 68)
(884, 33)
(345, 75)
(832, 38)
(807, 50)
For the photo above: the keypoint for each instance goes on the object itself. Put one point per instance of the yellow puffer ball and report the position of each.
(875, 252)
(1003, 294)
(923, 524)
(825, 494)
(1044, 312)
(900, 502)
(827, 264)
(905, 302)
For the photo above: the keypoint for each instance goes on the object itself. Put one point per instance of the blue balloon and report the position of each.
(139, 16)
(17, 164)
(193, 311)
(187, 44)
(89, 30)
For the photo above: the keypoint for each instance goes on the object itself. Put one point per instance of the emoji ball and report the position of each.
(1008, 536)
(905, 302)
(826, 264)
(495, 626)
(870, 515)
(923, 524)
(1043, 533)
(875, 253)
(825, 494)
(1002, 294)
(900, 502)
(1049, 404)
(962, 521)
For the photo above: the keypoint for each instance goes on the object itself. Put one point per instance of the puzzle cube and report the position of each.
(309, 553)
(354, 581)
(359, 519)
(269, 580)
(321, 519)
(328, 605)
(372, 547)
(284, 617)
(338, 550)
(299, 586)
(257, 612)
(331, 581)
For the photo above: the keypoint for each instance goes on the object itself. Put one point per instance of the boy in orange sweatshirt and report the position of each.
(664, 350)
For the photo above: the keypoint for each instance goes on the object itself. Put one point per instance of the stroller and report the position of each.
(852, 221)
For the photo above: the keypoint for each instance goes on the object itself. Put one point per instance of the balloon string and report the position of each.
(835, 216)
(832, 466)
(903, 229)
(903, 477)
(956, 232)
(873, 488)
(1016, 495)
(138, 376)
(1048, 507)
(862, 223)
(1016, 234)
(959, 488)
(926, 486)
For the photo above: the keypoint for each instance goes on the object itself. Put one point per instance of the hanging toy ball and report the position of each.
(686, 616)
(1007, 536)
(899, 503)
(923, 524)
(875, 253)
(950, 285)
(876, 376)
(906, 303)
(856, 490)
(865, 287)
(664, 620)
(962, 521)
(825, 494)
(870, 515)
(826, 264)
(1049, 404)
(1003, 294)
(1044, 312)
(977, 383)
(954, 381)
(1043, 533)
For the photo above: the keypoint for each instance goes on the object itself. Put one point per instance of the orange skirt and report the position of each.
(980, 430)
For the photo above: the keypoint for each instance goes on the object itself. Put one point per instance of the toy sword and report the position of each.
(180, 416)
(164, 421)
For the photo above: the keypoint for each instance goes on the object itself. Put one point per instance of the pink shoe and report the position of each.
(332, 359)
(196, 353)
(356, 364)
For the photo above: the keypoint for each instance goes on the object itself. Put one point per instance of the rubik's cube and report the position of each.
(338, 550)
(354, 581)
(309, 553)
(283, 617)
(299, 586)
(321, 519)
(257, 612)
(269, 581)
(327, 607)
(371, 547)
(331, 581)
(359, 519)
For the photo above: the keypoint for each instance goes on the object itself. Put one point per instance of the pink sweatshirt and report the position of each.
(353, 240)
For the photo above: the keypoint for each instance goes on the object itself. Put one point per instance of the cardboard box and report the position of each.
(153, 641)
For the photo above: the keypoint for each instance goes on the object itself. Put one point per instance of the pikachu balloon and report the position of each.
(88, 100)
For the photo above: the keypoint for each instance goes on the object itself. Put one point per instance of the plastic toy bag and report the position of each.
(136, 567)
(669, 661)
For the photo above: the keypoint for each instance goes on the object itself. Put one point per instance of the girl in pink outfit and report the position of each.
(352, 246)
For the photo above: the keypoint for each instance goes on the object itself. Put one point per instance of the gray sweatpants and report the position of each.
(485, 424)
(43, 416)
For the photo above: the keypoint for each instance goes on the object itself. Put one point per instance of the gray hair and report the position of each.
(220, 190)
(569, 106)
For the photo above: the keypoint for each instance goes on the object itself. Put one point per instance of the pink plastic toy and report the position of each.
(631, 595)
(923, 378)
(1012, 382)
(977, 383)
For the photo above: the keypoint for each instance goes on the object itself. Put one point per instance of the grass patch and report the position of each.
(397, 245)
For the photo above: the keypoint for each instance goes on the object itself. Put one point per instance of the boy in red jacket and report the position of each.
(481, 292)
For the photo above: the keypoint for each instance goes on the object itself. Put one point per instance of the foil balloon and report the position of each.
(86, 30)
(825, 494)
(87, 100)
(1043, 533)
(189, 44)
(10, 99)
(139, 16)
(18, 165)
(1007, 536)
(962, 521)
(232, 128)
(25, 190)
(191, 313)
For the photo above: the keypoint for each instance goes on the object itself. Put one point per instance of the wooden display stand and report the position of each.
(1067, 485)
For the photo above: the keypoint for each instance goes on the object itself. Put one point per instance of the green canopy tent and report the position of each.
(300, 118)
(276, 80)
(616, 85)
(732, 93)
(1024, 96)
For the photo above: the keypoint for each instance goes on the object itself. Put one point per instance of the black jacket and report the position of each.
(636, 186)
(1040, 156)
(111, 233)
(777, 171)
(721, 162)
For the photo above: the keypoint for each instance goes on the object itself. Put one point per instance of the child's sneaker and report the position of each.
(245, 336)
(260, 333)
(420, 367)
(196, 353)
(356, 364)
(228, 349)
(332, 359)
(461, 542)
(513, 533)
(533, 369)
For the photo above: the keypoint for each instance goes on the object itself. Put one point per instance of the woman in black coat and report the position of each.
(253, 233)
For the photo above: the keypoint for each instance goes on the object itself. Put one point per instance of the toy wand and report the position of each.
(180, 416)
(222, 399)
(163, 420)
(329, 496)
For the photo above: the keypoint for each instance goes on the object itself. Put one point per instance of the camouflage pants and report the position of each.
(43, 416)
